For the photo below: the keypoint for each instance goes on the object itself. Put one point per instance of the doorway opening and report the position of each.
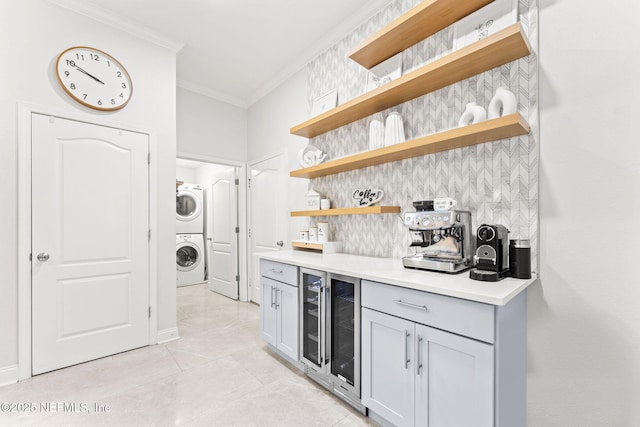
(210, 205)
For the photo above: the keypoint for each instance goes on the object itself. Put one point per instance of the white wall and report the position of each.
(186, 175)
(210, 128)
(584, 317)
(269, 121)
(33, 33)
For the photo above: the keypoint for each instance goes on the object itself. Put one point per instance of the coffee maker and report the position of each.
(492, 256)
(441, 235)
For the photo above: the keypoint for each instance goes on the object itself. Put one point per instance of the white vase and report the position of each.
(394, 129)
(503, 103)
(473, 113)
(376, 134)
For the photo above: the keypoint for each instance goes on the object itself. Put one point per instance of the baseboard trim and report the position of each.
(9, 375)
(167, 335)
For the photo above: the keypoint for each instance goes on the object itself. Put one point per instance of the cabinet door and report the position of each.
(454, 380)
(387, 369)
(287, 307)
(268, 318)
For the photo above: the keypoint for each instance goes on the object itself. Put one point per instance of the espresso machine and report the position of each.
(442, 237)
(492, 256)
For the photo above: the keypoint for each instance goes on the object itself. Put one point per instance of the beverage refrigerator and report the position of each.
(330, 332)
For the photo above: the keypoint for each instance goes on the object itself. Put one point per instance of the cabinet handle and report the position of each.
(406, 351)
(273, 270)
(419, 361)
(408, 304)
(272, 303)
(277, 305)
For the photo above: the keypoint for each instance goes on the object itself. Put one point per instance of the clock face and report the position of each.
(94, 78)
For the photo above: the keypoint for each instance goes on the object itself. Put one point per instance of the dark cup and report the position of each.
(520, 259)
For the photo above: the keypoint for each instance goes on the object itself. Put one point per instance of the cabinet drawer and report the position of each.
(278, 271)
(468, 318)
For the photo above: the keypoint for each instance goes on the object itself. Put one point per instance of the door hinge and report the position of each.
(237, 230)
(249, 183)
(237, 181)
(149, 234)
(249, 233)
(30, 257)
(148, 158)
(238, 279)
(149, 312)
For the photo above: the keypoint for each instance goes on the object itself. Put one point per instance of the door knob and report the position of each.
(43, 256)
(280, 243)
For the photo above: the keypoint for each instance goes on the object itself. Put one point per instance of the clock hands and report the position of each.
(83, 71)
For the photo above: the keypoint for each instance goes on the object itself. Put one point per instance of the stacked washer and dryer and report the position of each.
(190, 249)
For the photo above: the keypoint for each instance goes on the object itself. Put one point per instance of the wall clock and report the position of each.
(94, 78)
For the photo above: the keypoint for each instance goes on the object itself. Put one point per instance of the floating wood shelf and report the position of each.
(498, 49)
(349, 211)
(490, 130)
(422, 21)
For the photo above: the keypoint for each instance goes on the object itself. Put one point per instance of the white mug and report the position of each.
(304, 235)
(325, 204)
(323, 232)
(313, 234)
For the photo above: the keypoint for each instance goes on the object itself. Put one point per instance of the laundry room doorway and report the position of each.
(222, 218)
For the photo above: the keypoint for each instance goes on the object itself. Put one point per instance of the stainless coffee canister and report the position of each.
(520, 258)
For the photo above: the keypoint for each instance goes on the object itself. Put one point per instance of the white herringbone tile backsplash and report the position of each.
(496, 181)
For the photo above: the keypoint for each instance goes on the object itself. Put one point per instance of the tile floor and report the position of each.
(219, 373)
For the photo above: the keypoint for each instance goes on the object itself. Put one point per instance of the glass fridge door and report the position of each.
(310, 317)
(344, 327)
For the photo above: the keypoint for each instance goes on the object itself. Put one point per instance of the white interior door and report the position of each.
(223, 238)
(268, 206)
(90, 222)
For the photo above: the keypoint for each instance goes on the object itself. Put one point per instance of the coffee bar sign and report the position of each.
(368, 196)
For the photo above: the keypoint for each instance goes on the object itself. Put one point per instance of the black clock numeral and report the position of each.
(66, 74)
(119, 74)
(99, 101)
(84, 96)
(72, 86)
(121, 96)
(79, 57)
(108, 63)
(71, 63)
(95, 57)
(113, 101)
(124, 85)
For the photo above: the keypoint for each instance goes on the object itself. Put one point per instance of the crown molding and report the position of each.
(120, 23)
(315, 50)
(219, 96)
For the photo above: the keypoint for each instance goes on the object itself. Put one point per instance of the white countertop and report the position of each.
(391, 271)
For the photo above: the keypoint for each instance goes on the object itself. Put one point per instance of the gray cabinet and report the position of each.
(279, 307)
(437, 361)
(388, 382)
(454, 380)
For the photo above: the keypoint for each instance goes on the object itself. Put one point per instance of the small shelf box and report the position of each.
(326, 247)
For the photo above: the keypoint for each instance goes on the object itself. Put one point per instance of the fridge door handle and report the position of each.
(321, 325)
